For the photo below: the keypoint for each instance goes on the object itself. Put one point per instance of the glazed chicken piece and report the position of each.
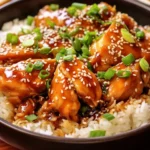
(62, 98)
(123, 88)
(84, 81)
(17, 84)
(109, 50)
(62, 18)
(72, 80)
(25, 108)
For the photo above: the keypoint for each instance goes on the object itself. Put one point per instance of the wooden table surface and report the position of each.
(4, 146)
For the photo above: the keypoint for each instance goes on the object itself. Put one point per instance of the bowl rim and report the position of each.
(76, 140)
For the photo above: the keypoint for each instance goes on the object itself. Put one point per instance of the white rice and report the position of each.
(134, 115)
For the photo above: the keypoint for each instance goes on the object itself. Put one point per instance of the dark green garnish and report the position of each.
(85, 50)
(75, 31)
(48, 83)
(12, 38)
(44, 74)
(29, 67)
(70, 51)
(89, 66)
(129, 59)
(97, 133)
(31, 117)
(108, 116)
(139, 34)
(38, 34)
(54, 7)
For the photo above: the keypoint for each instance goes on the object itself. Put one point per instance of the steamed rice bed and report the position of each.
(125, 113)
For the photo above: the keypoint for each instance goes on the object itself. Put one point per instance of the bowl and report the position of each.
(27, 140)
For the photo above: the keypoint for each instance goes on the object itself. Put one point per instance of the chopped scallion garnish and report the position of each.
(28, 43)
(97, 133)
(12, 38)
(109, 74)
(48, 83)
(89, 66)
(144, 65)
(77, 44)
(127, 35)
(127, 60)
(123, 73)
(108, 116)
(29, 67)
(71, 11)
(54, 7)
(44, 74)
(38, 65)
(85, 50)
(31, 117)
(68, 58)
(94, 10)
(45, 50)
(79, 5)
(101, 74)
(30, 20)
(139, 34)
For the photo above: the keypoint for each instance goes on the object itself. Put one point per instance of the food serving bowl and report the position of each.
(27, 140)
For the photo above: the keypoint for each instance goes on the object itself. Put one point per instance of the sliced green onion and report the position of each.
(77, 44)
(58, 56)
(38, 34)
(38, 65)
(101, 74)
(12, 38)
(75, 31)
(127, 35)
(79, 5)
(144, 65)
(44, 74)
(109, 74)
(123, 73)
(108, 116)
(71, 10)
(31, 117)
(48, 83)
(97, 133)
(129, 59)
(29, 67)
(54, 7)
(50, 23)
(85, 50)
(30, 20)
(68, 58)
(140, 35)
(89, 66)
(94, 10)
(25, 31)
(45, 50)
(28, 43)
(64, 35)
(70, 51)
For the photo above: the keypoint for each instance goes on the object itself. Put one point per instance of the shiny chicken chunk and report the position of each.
(17, 84)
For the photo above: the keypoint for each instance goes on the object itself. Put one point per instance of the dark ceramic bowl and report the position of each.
(26, 140)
